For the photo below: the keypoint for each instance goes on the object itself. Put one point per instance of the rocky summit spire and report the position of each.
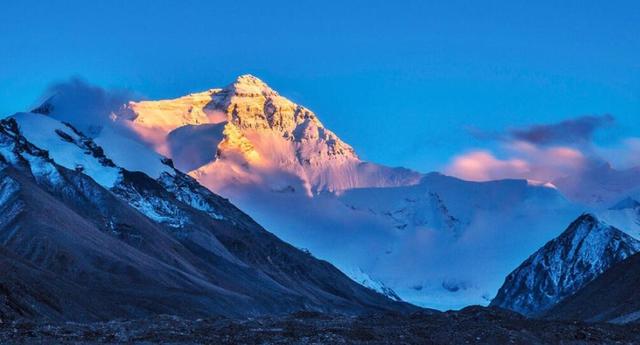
(251, 104)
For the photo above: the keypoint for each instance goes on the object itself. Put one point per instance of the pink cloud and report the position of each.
(484, 166)
(524, 160)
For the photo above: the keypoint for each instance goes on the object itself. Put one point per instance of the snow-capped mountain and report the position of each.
(450, 204)
(586, 249)
(455, 240)
(103, 241)
(248, 133)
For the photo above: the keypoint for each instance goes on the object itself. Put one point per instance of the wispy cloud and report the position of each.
(579, 130)
(576, 131)
(86, 106)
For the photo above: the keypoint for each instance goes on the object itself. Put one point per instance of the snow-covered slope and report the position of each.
(455, 240)
(444, 243)
(67, 147)
(450, 204)
(586, 249)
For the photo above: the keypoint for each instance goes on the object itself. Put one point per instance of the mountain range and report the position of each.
(430, 239)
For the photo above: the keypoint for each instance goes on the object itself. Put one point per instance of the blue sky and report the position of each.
(400, 81)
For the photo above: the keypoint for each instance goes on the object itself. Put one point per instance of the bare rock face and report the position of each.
(252, 104)
(586, 249)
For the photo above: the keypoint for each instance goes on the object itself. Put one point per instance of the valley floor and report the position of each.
(473, 325)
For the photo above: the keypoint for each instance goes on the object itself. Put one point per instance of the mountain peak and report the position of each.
(258, 122)
(248, 79)
(249, 85)
(585, 218)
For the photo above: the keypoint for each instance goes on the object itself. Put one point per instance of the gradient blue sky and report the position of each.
(399, 80)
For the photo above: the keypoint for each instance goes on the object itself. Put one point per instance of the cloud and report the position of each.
(483, 166)
(522, 160)
(576, 131)
(88, 107)
(579, 130)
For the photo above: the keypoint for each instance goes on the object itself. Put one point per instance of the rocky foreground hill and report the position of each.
(473, 325)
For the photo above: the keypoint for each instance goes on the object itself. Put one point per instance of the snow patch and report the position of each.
(360, 277)
(132, 155)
